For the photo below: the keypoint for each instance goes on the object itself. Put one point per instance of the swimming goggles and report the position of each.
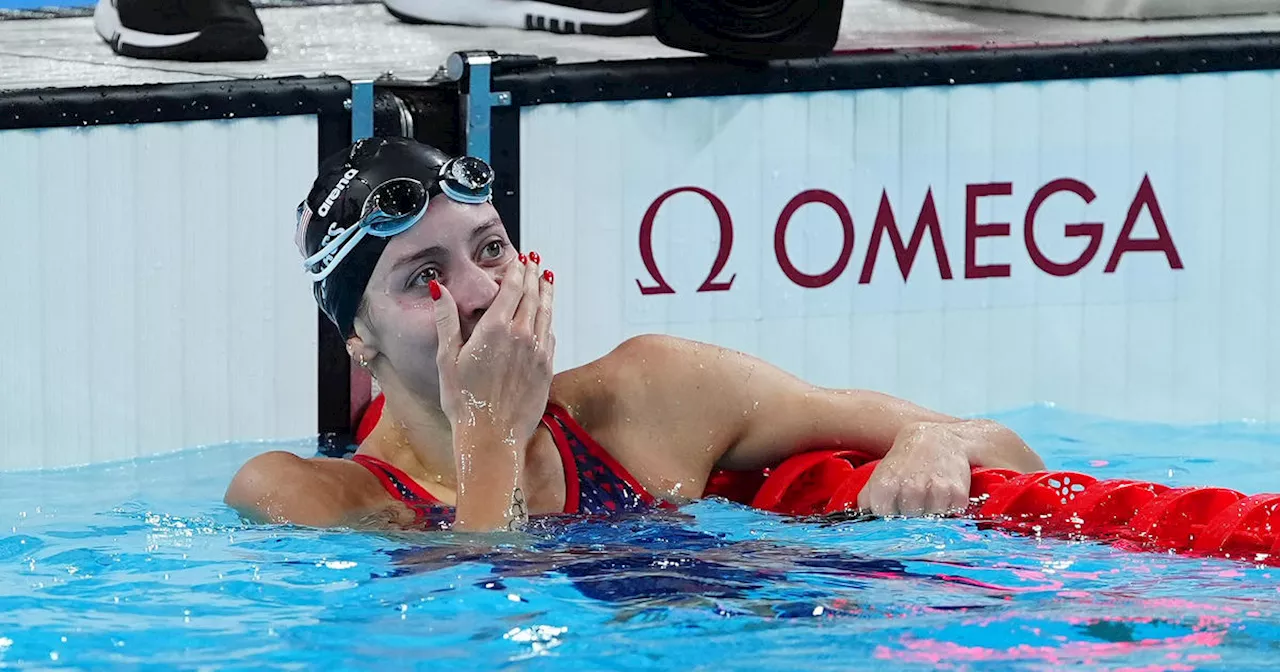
(394, 206)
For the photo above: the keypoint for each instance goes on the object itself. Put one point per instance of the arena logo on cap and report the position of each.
(329, 200)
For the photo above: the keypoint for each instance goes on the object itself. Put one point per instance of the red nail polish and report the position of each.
(549, 277)
(534, 256)
(523, 259)
(435, 290)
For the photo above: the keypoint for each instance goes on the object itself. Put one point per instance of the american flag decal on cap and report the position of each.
(300, 234)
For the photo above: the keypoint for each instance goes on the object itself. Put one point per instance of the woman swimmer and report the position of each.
(478, 434)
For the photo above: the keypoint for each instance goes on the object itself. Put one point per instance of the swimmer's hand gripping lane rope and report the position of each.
(1130, 514)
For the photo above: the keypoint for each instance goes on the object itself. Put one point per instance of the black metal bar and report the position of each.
(505, 126)
(333, 391)
(704, 77)
(97, 106)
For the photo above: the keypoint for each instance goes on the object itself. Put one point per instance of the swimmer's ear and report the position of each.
(362, 351)
(363, 345)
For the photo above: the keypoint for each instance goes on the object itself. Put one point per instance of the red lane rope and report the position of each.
(1204, 521)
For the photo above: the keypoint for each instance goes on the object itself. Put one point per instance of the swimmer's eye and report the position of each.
(494, 249)
(424, 277)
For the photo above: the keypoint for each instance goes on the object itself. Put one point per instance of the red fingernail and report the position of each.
(435, 290)
(534, 256)
(549, 277)
(524, 259)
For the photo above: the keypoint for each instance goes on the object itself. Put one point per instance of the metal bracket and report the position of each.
(474, 70)
(361, 109)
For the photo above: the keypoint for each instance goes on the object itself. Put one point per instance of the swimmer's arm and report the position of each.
(747, 414)
(804, 417)
(490, 497)
(283, 488)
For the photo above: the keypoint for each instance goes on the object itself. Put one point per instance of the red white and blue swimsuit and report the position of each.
(594, 482)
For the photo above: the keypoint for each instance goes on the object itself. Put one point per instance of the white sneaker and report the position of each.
(589, 17)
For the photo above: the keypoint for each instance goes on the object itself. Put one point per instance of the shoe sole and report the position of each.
(216, 42)
(522, 14)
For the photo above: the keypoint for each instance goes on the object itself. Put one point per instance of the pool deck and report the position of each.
(362, 41)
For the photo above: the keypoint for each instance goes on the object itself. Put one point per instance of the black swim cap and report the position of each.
(336, 202)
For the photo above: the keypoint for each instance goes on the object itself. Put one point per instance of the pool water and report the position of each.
(139, 565)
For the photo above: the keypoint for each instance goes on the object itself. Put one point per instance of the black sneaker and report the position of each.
(182, 30)
(590, 17)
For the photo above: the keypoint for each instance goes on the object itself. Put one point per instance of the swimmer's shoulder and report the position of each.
(591, 392)
(281, 487)
(631, 382)
(636, 365)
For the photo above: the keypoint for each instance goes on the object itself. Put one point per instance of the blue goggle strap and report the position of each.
(353, 234)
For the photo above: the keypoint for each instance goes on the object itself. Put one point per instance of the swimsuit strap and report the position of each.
(595, 482)
(403, 488)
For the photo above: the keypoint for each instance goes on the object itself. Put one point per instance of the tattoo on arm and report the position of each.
(519, 515)
(386, 518)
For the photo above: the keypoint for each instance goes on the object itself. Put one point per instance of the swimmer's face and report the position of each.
(463, 247)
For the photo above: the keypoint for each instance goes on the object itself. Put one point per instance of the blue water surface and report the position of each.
(139, 565)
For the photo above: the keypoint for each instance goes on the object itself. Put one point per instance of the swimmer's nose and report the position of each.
(468, 323)
(474, 292)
